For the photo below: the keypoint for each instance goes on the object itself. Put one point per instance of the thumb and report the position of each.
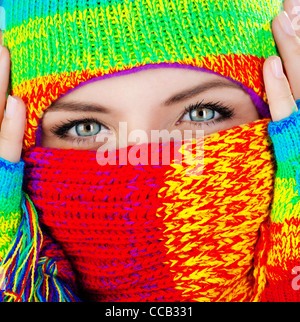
(281, 100)
(12, 130)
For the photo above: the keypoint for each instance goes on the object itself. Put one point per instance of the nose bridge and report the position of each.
(138, 121)
(135, 130)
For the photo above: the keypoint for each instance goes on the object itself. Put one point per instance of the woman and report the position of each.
(149, 232)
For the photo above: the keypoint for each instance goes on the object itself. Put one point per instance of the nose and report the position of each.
(145, 125)
(134, 132)
(131, 133)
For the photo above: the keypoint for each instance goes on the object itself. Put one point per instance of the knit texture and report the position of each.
(141, 233)
(34, 269)
(284, 243)
(11, 178)
(275, 255)
(61, 44)
(152, 233)
(26, 261)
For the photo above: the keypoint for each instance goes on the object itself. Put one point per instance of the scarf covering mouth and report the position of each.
(153, 233)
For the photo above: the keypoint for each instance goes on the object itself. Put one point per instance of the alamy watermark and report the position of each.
(2, 18)
(2, 279)
(159, 147)
(296, 280)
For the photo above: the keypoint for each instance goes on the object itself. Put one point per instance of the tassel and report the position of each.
(28, 278)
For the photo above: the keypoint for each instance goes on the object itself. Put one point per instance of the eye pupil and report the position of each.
(202, 114)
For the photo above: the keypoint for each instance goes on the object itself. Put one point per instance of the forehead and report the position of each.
(158, 85)
(152, 79)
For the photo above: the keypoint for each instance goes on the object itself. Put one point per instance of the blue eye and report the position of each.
(86, 129)
(201, 114)
(79, 128)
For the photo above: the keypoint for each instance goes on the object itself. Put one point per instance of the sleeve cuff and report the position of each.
(285, 135)
(11, 180)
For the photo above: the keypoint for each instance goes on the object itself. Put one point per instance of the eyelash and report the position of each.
(62, 130)
(225, 111)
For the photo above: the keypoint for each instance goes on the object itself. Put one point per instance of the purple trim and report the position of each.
(38, 134)
(262, 107)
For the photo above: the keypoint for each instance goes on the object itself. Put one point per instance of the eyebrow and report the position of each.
(186, 94)
(200, 89)
(78, 107)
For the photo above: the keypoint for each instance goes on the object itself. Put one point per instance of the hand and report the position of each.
(282, 91)
(12, 125)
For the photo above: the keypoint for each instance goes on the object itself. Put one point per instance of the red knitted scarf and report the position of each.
(152, 233)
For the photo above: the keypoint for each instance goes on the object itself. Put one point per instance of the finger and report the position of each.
(292, 8)
(281, 101)
(12, 130)
(289, 48)
(4, 78)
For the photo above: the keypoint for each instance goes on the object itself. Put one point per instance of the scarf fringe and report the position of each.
(25, 276)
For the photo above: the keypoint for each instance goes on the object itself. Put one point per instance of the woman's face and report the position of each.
(156, 99)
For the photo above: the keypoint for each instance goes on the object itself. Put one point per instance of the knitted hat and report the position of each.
(58, 45)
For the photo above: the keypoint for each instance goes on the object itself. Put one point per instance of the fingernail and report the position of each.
(277, 68)
(286, 23)
(296, 12)
(11, 107)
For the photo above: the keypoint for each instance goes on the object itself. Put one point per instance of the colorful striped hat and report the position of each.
(57, 45)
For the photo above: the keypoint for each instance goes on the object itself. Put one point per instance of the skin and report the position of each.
(148, 100)
(124, 96)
